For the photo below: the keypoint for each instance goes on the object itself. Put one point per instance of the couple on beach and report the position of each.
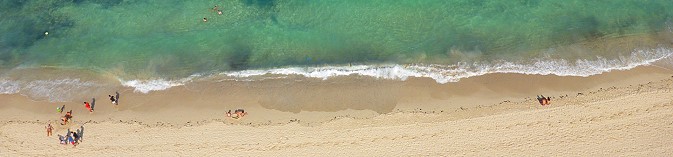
(90, 106)
(239, 113)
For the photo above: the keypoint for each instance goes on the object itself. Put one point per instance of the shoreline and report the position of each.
(314, 101)
(617, 116)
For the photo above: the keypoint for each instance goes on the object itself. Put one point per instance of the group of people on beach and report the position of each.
(74, 137)
(543, 100)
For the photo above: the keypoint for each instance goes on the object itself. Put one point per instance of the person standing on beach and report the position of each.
(88, 106)
(60, 109)
(76, 136)
(112, 99)
(49, 128)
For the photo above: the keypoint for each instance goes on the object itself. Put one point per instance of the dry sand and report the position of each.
(621, 113)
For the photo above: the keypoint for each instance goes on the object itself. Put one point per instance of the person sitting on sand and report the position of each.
(66, 118)
(229, 113)
(72, 141)
(49, 128)
(62, 139)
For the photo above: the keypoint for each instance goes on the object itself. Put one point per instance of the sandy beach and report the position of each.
(620, 113)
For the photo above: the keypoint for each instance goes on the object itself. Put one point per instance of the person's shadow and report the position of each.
(93, 103)
(80, 132)
(117, 96)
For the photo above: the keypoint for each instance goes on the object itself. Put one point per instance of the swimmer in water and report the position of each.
(205, 19)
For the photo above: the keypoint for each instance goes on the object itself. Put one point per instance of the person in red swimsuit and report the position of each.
(88, 106)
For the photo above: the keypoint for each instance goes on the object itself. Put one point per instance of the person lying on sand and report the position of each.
(548, 100)
(543, 100)
(239, 113)
(229, 113)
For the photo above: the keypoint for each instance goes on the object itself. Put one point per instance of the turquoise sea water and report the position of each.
(168, 39)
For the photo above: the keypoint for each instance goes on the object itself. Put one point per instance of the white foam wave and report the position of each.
(145, 86)
(9, 87)
(453, 73)
(56, 90)
(440, 73)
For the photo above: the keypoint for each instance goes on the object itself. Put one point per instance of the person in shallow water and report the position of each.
(205, 19)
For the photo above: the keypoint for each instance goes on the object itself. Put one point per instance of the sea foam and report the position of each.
(455, 72)
(9, 87)
(54, 90)
(440, 73)
(145, 86)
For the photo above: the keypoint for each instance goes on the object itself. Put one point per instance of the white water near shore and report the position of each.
(440, 73)
(53, 89)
